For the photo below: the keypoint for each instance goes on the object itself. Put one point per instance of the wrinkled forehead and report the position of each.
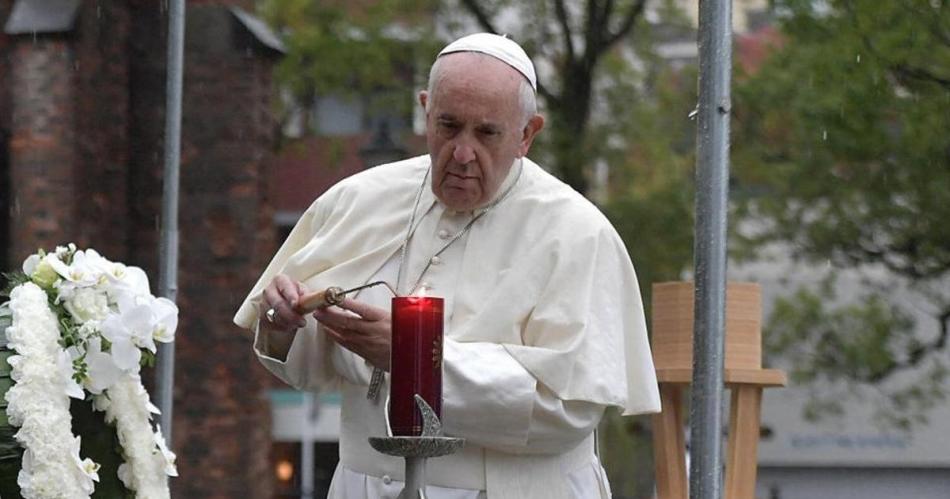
(475, 70)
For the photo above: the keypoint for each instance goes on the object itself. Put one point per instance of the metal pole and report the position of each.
(415, 478)
(712, 190)
(307, 457)
(168, 279)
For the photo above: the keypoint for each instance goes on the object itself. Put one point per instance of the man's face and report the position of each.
(474, 129)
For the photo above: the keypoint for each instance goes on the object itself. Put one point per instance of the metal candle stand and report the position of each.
(417, 449)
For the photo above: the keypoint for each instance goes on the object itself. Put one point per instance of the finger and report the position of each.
(364, 310)
(301, 289)
(285, 316)
(338, 320)
(288, 288)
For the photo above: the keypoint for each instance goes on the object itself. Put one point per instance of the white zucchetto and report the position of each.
(499, 47)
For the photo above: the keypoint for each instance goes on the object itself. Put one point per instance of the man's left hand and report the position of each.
(367, 331)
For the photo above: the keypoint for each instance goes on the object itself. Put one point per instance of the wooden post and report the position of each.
(744, 376)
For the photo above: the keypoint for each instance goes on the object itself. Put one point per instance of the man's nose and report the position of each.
(463, 153)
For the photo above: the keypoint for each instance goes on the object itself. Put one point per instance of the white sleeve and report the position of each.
(314, 362)
(307, 366)
(491, 400)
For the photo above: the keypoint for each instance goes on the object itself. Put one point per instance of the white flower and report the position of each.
(103, 371)
(29, 265)
(147, 463)
(126, 280)
(165, 313)
(65, 365)
(167, 454)
(87, 269)
(41, 270)
(85, 470)
(87, 304)
(38, 404)
(141, 321)
(108, 301)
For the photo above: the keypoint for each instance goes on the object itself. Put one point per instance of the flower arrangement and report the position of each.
(80, 325)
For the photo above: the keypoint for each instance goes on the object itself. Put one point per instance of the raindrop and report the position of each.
(98, 11)
(859, 59)
(693, 113)
(824, 135)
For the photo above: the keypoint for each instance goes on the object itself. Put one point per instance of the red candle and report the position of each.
(415, 361)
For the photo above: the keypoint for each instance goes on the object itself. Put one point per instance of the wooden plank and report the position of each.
(742, 462)
(669, 445)
(759, 377)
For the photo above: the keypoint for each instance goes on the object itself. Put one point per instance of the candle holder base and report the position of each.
(416, 450)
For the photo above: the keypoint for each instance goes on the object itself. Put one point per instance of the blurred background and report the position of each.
(840, 196)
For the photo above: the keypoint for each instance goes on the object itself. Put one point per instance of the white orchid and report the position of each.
(167, 455)
(103, 370)
(85, 470)
(86, 269)
(126, 280)
(65, 364)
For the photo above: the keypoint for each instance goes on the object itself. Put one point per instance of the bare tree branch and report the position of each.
(629, 19)
(552, 100)
(907, 72)
(562, 19)
(919, 353)
(480, 15)
(589, 20)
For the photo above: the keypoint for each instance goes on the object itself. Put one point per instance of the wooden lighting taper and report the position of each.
(319, 299)
(331, 296)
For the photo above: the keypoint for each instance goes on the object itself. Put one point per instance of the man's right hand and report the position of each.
(281, 295)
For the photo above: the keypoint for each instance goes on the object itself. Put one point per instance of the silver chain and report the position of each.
(376, 380)
(410, 229)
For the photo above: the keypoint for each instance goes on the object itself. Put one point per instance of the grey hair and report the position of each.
(526, 96)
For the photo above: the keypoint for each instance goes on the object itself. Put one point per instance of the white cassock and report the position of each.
(544, 329)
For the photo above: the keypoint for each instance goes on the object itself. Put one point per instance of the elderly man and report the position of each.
(544, 325)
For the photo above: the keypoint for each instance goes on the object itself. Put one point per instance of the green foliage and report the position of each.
(843, 132)
(350, 48)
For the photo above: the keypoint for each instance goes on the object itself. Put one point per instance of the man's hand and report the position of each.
(366, 331)
(281, 295)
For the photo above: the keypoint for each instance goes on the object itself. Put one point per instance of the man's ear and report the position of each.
(423, 99)
(535, 124)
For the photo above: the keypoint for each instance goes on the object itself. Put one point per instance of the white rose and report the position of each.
(87, 304)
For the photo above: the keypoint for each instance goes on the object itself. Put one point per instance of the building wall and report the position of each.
(853, 483)
(223, 417)
(43, 159)
(86, 118)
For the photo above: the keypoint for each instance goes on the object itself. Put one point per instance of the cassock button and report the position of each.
(436, 260)
(387, 479)
(444, 234)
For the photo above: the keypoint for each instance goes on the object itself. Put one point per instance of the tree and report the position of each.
(843, 134)
(364, 48)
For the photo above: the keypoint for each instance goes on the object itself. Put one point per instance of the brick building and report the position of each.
(82, 97)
